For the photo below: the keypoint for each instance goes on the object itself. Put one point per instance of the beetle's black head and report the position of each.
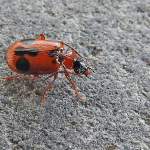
(80, 66)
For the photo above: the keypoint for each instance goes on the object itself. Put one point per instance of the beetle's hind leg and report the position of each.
(41, 36)
(21, 76)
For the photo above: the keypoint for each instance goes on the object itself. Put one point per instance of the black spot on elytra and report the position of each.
(22, 64)
(19, 51)
(27, 41)
(56, 48)
(32, 51)
(54, 61)
(52, 53)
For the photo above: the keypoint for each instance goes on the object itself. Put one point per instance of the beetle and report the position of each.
(39, 56)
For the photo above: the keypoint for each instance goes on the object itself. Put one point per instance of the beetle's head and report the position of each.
(80, 66)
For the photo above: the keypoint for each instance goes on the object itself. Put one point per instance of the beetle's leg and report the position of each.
(41, 36)
(11, 77)
(49, 77)
(74, 87)
(60, 72)
(21, 76)
(43, 96)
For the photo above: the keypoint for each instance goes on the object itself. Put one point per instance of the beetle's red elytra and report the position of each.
(39, 56)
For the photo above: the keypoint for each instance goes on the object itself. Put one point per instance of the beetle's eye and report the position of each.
(76, 66)
(80, 65)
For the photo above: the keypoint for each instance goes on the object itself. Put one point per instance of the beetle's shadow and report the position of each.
(20, 88)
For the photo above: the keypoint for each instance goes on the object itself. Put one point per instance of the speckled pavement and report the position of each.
(114, 113)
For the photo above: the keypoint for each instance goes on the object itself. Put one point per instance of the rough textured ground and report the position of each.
(114, 113)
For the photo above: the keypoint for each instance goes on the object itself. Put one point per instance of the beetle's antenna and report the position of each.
(91, 69)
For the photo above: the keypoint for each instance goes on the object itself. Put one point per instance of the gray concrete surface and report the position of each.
(114, 113)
